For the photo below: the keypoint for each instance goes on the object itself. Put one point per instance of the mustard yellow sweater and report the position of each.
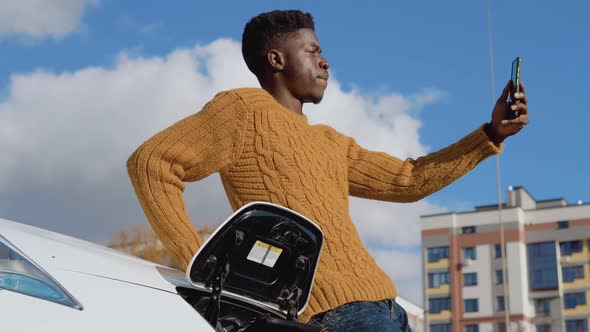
(266, 152)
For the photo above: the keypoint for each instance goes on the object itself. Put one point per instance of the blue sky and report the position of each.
(430, 57)
(386, 46)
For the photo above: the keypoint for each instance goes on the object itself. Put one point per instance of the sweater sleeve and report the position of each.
(377, 175)
(189, 150)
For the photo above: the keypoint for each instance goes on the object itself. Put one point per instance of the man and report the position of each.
(260, 142)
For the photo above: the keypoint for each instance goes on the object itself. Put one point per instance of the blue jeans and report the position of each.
(379, 316)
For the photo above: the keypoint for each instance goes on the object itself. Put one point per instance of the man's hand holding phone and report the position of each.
(504, 123)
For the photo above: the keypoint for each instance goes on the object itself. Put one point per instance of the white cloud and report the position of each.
(65, 138)
(40, 18)
(383, 223)
(405, 268)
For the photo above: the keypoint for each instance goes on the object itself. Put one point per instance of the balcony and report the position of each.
(443, 263)
(441, 316)
(580, 309)
(577, 283)
(440, 290)
(575, 257)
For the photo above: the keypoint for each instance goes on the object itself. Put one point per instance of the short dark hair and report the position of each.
(265, 29)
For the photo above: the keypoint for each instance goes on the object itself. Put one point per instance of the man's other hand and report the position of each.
(502, 126)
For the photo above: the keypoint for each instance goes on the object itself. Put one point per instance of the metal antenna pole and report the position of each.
(498, 182)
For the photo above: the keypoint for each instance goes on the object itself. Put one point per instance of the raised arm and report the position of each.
(380, 176)
(189, 150)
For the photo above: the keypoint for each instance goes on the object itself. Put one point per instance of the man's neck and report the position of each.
(285, 98)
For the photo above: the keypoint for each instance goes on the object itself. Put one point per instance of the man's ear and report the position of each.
(276, 59)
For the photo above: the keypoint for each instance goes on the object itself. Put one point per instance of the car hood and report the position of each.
(54, 251)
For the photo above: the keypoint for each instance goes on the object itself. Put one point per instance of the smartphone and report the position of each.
(515, 77)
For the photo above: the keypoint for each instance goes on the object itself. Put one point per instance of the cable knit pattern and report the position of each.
(265, 152)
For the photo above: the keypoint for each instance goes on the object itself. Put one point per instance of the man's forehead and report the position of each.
(299, 39)
(306, 37)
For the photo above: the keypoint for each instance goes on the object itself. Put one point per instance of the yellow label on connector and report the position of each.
(264, 253)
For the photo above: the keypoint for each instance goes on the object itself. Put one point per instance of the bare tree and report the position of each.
(141, 241)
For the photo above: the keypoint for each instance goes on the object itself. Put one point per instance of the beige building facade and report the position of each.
(545, 285)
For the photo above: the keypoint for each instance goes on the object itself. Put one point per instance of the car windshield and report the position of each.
(20, 274)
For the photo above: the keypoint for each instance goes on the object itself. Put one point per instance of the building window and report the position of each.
(498, 250)
(570, 247)
(471, 305)
(543, 307)
(471, 328)
(468, 230)
(501, 327)
(499, 277)
(572, 273)
(439, 304)
(543, 327)
(576, 325)
(500, 303)
(563, 224)
(542, 266)
(572, 300)
(440, 327)
(470, 279)
(436, 279)
(438, 253)
(469, 253)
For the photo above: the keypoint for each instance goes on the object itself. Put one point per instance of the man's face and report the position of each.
(306, 70)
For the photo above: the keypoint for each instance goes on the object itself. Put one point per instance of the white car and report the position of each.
(254, 273)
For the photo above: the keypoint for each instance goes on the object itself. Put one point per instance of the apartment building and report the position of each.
(545, 285)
